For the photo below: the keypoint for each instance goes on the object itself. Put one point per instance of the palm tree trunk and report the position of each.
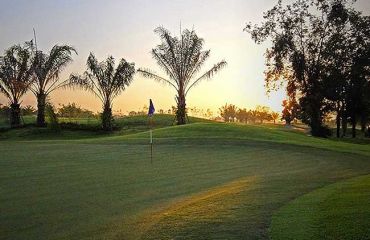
(181, 109)
(107, 117)
(41, 101)
(15, 115)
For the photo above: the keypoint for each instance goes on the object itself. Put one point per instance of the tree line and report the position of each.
(70, 110)
(25, 68)
(321, 52)
(26, 110)
(231, 113)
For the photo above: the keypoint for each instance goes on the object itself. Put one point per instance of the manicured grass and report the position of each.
(4, 121)
(82, 128)
(338, 211)
(207, 181)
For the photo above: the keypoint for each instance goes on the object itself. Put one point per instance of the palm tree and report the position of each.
(15, 78)
(181, 59)
(47, 68)
(105, 82)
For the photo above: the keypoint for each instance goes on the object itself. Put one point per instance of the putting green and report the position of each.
(337, 211)
(207, 181)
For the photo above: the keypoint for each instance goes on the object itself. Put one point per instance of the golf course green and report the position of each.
(208, 180)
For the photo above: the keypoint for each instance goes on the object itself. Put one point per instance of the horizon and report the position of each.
(240, 83)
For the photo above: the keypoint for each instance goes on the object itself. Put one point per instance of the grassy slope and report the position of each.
(221, 133)
(207, 181)
(338, 211)
(88, 128)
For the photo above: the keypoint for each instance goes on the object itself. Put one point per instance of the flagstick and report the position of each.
(151, 138)
(150, 114)
(151, 146)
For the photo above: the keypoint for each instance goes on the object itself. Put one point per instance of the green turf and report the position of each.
(207, 181)
(4, 121)
(83, 128)
(338, 211)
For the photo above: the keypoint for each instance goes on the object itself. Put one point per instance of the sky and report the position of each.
(124, 29)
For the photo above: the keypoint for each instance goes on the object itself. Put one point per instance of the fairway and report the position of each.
(207, 181)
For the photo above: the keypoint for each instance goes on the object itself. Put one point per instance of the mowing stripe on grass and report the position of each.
(195, 211)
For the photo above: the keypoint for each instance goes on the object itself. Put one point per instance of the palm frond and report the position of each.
(4, 89)
(196, 64)
(123, 77)
(208, 75)
(169, 48)
(83, 82)
(165, 64)
(103, 79)
(15, 72)
(47, 67)
(149, 74)
(192, 50)
(57, 85)
(181, 59)
(93, 66)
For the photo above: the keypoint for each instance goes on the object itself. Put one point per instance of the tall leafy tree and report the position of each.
(359, 78)
(106, 82)
(47, 68)
(228, 112)
(335, 77)
(181, 58)
(242, 115)
(275, 116)
(290, 111)
(263, 113)
(300, 33)
(15, 78)
(347, 64)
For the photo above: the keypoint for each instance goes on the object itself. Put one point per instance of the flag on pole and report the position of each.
(151, 108)
(150, 114)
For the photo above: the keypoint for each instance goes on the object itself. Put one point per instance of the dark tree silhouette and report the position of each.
(15, 78)
(181, 59)
(274, 116)
(106, 82)
(242, 115)
(346, 72)
(47, 68)
(72, 110)
(28, 110)
(300, 32)
(358, 97)
(290, 111)
(228, 112)
(263, 113)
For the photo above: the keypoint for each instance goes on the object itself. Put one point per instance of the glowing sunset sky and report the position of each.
(125, 29)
